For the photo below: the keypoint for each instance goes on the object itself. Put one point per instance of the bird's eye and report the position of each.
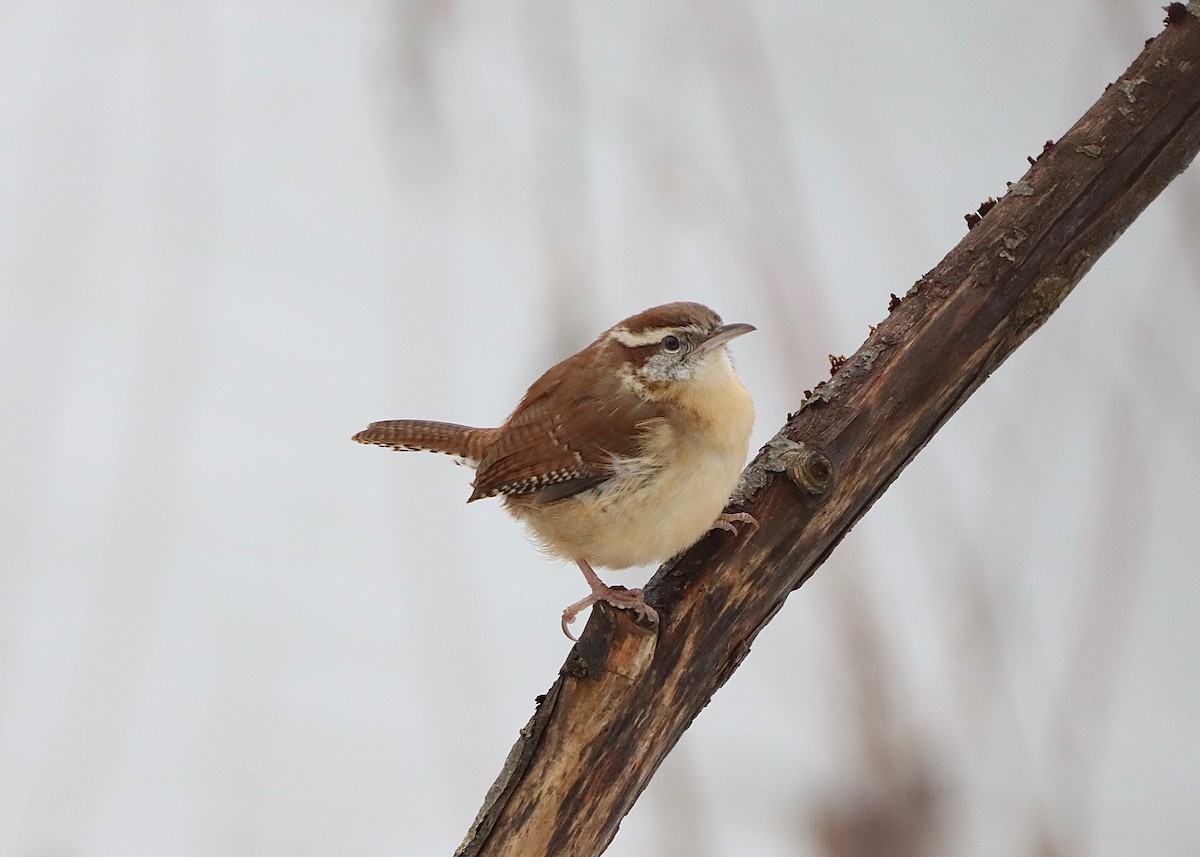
(670, 343)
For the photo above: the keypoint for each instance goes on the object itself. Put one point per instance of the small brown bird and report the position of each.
(621, 455)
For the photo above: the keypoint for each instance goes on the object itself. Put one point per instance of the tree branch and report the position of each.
(625, 695)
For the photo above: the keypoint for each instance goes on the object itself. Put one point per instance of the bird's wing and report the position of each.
(563, 439)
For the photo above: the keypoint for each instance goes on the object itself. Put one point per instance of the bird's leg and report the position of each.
(622, 599)
(726, 521)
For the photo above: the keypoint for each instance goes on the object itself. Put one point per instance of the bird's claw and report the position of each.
(726, 520)
(569, 615)
(621, 599)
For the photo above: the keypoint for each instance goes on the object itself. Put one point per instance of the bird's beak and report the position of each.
(722, 335)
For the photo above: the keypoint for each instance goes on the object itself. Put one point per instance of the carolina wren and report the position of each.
(623, 454)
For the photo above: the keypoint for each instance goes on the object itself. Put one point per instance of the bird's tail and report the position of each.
(462, 442)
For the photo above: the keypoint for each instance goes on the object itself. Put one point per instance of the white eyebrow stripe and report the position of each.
(634, 340)
(650, 336)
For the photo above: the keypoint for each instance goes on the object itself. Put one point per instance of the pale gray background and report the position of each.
(231, 234)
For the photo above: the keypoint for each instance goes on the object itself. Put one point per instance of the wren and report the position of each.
(621, 455)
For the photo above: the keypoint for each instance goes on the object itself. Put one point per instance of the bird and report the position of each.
(623, 454)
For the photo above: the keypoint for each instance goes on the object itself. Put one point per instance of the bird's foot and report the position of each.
(726, 521)
(620, 598)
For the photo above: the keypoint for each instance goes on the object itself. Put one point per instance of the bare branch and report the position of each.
(626, 695)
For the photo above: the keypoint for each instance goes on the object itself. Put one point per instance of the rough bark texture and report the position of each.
(625, 694)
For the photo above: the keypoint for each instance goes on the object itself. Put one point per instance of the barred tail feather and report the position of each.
(462, 442)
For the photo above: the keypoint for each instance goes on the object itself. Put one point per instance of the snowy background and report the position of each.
(232, 234)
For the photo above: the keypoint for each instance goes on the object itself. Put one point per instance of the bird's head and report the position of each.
(668, 348)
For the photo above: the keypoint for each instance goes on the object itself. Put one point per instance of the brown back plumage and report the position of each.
(587, 426)
(570, 427)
